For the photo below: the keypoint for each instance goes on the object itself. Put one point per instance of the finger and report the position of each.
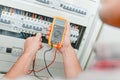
(49, 29)
(29, 38)
(48, 32)
(68, 26)
(47, 37)
(68, 29)
(38, 36)
(50, 26)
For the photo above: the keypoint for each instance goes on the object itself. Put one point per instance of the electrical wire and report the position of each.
(49, 63)
(46, 62)
(26, 35)
(46, 66)
(23, 35)
(34, 70)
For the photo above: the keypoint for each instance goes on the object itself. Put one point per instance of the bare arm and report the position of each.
(22, 66)
(71, 64)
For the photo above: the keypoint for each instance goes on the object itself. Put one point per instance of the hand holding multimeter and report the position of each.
(57, 33)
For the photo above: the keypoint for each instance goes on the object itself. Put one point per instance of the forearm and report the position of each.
(20, 68)
(71, 63)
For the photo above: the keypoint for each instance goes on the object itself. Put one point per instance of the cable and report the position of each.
(46, 66)
(23, 35)
(34, 70)
(49, 63)
(46, 62)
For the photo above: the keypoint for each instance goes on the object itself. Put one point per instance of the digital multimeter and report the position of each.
(57, 34)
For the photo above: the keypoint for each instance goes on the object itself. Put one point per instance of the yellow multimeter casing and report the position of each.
(57, 33)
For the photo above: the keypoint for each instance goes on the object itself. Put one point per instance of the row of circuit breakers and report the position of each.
(64, 6)
(22, 24)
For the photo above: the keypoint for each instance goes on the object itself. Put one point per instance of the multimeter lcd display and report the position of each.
(58, 31)
(60, 22)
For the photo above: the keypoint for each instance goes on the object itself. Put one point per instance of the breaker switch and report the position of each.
(8, 50)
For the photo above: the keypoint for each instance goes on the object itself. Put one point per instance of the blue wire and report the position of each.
(23, 35)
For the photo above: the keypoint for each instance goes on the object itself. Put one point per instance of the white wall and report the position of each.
(108, 34)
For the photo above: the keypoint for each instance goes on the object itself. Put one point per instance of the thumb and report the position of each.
(68, 29)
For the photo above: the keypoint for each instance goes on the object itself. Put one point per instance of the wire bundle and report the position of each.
(46, 66)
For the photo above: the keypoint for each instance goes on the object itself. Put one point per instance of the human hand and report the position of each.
(33, 44)
(67, 42)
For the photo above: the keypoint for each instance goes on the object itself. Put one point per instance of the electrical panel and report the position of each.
(20, 19)
(63, 6)
(22, 24)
